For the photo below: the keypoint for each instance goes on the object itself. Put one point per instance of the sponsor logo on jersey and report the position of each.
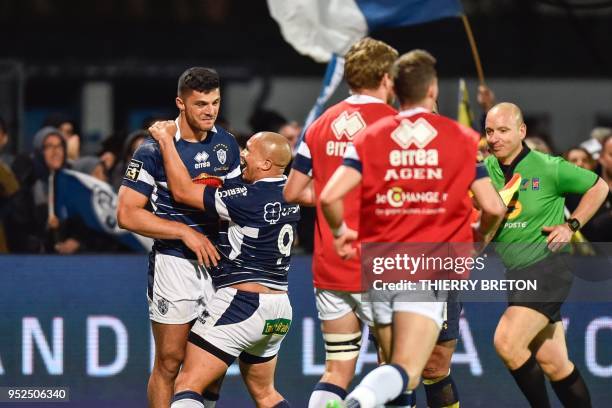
(525, 184)
(133, 170)
(348, 125)
(535, 183)
(232, 192)
(344, 126)
(397, 197)
(276, 326)
(514, 209)
(420, 133)
(162, 305)
(272, 212)
(201, 160)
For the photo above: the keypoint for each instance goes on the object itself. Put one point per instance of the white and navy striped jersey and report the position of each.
(218, 155)
(255, 243)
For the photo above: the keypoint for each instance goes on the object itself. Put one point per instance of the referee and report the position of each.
(529, 337)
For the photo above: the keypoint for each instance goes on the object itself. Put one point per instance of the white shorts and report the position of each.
(333, 304)
(246, 324)
(178, 289)
(401, 302)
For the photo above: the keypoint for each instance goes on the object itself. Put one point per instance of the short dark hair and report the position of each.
(198, 79)
(412, 74)
(3, 126)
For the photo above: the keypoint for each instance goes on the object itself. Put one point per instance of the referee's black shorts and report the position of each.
(554, 281)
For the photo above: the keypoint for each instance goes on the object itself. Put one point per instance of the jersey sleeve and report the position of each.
(303, 159)
(140, 172)
(481, 171)
(234, 166)
(574, 179)
(352, 157)
(229, 203)
(213, 205)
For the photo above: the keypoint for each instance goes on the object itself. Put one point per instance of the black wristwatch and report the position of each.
(573, 224)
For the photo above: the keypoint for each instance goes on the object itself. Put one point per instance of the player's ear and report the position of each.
(266, 165)
(179, 103)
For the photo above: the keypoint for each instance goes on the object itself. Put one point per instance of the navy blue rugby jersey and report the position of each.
(218, 155)
(255, 243)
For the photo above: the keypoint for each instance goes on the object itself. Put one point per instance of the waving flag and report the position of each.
(325, 29)
(95, 203)
(321, 28)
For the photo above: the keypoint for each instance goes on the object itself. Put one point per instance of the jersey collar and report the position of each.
(413, 111)
(271, 179)
(508, 169)
(360, 99)
(177, 135)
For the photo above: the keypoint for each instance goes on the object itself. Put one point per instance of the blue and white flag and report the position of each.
(325, 30)
(95, 203)
(321, 28)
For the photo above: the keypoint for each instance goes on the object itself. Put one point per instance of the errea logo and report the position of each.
(419, 133)
(348, 125)
(201, 160)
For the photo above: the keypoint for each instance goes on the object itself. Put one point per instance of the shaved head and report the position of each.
(508, 108)
(505, 130)
(274, 147)
(266, 155)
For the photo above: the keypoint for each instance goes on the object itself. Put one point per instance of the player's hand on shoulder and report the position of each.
(204, 249)
(343, 244)
(163, 130)
(558, 236)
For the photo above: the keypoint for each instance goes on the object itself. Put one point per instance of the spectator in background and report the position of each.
(8, 187)
(605, 160)
(580, 157)
(32, 228)
(594, 143)
(272, 121)
(92, 165)
(599, 229)
(5, 156)
(68, 130)
(538, 144)
(130, 145)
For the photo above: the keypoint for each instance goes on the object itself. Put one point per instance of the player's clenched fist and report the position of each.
(163, 130)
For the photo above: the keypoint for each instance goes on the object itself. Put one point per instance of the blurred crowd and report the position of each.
(29, 223)
(28, 220)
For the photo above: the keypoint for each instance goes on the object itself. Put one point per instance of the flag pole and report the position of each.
(468, 31)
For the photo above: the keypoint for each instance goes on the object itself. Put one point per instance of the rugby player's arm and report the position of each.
(299, 189)
(492, 206)
(183, 189)
(339, 185)
(132, 216)
(591, 201)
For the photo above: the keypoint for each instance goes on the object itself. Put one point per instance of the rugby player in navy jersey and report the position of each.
(178, 283)
(250, 314)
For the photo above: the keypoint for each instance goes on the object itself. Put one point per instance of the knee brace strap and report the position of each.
(342, 346)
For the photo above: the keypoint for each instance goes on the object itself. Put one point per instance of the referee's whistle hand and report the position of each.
(558, 236)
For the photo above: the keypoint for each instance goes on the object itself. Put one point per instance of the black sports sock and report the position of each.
(572, 391)
(530, 379)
